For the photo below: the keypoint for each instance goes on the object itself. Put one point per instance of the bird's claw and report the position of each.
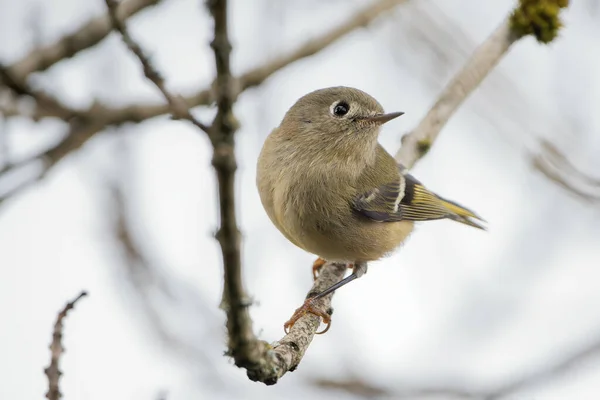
(309, 307)
(316, 268)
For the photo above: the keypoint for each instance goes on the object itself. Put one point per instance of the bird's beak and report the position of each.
(380, 119)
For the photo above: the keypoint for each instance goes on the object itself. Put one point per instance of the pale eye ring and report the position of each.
(340, 108)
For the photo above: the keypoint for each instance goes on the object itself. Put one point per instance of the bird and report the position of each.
(331, 189)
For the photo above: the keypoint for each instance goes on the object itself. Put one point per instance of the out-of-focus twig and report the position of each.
(43, 100)
(56, 350)
(529, 381)
(100, 116)
(544, 375)
(150, 283)
(88, 35)
(4, 152)
(354, 386)
(555, 165)
(178, 107)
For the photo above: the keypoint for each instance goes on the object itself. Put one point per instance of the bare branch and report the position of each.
(528, 381)
(545, 375)
(526, 19)
(51, 105)
(267, 363)
(178, 107)
(555, 165)
(56, 350)
(79, 134)
(243, 345)
(99, 116)
(90, 34)
(362, 18)
(256, 76)
(4, 152)
(416, 144)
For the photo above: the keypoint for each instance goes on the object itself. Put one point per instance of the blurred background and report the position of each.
(130, 216)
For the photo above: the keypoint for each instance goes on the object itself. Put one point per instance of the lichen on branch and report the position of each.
(540, 18)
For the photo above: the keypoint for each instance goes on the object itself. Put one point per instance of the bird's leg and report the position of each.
(310, 306)
(319, 264)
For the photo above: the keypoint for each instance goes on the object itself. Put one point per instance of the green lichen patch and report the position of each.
(540, 18)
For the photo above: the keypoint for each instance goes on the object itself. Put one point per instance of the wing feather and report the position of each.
(408, 199)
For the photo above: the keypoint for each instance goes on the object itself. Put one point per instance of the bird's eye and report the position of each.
(340, 109)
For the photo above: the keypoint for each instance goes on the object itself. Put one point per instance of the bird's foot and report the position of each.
(319, 264)
(309, 306)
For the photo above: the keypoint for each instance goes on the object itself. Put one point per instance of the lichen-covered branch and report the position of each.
(56, 350)
(418, 142)
(539, 18)
(285, 355)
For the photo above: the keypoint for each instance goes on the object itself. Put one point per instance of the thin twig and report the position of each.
(56, 350)
(4, 151)
(88, 35)
(526, 382)
(178, 107)
(20, 88)
(555, 166)
(99, 116)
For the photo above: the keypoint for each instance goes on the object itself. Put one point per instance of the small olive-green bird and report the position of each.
(332, 189)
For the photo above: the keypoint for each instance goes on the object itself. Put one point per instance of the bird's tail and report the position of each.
(458, 213)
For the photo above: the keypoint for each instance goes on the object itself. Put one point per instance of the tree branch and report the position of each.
(244, 347)
(56, 350)
(539, 18)
(551, 162)
(90, 34)
(99, 116)
(177, 105)
(254, 77)
(20, 88)
(418, 142)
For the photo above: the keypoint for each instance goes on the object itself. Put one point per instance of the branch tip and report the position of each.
(56, 350)
(540, 18)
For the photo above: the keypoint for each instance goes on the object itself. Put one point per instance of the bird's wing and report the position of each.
(381, 204)
(407, 199)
